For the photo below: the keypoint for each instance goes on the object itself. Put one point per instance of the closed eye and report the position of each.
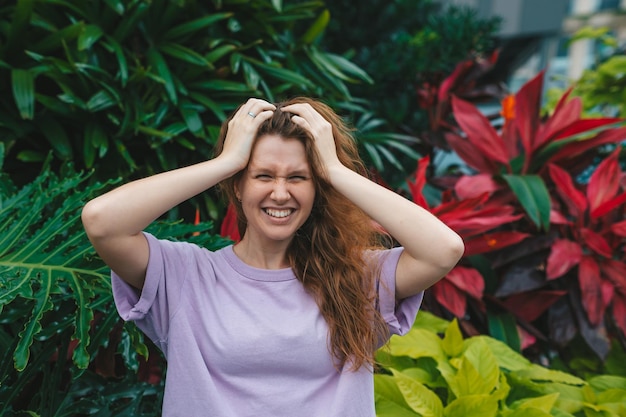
(297, 178)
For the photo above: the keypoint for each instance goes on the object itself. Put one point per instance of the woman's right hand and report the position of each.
(242, 130)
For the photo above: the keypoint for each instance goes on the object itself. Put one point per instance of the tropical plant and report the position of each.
(549, 247)
(466, 81)
(143, 86)
(434, 371)
(65, 350)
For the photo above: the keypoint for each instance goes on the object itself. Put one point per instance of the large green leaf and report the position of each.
(534, 197)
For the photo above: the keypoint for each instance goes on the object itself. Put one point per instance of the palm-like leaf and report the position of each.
(55, 293)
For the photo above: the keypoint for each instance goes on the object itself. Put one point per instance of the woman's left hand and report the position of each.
(321, 129)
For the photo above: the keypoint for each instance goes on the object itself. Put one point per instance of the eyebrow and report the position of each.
(295, 172)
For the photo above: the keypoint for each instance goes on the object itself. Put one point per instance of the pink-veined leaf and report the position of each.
(527, 117)
(456, 207)
(417, 186)
(469, 186)
(604, 182)
(467, 280)
(570, 150)
(619, 228)
(558, 218)
(490, 242)
(511, 139)
(530, 305)
(619, 311)
(596, 242)
(590, 289)
(608, 206)
(615, 271)
(526, 339)
(574, 199)
(478, 224)
(449, 296)
(453, 79)
(479, 130)
(564, 255)
(608, 290)
(470, 154)
(565, 114)
(585, 125)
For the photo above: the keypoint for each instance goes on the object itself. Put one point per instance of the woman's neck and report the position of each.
(262, 255)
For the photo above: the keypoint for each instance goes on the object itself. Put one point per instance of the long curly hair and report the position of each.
(327, 252)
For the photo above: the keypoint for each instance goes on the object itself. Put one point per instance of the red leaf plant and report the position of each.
(477, 221)
(527, 141)
(593, 238)
(434, 95)
(553, 148)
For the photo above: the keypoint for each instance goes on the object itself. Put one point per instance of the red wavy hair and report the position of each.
(327, 252)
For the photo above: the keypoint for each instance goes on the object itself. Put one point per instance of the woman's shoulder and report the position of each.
(169, 247)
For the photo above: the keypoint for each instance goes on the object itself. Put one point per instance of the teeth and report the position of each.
(278, 213)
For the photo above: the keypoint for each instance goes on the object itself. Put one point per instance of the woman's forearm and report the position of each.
(130, 208)
(434, 246)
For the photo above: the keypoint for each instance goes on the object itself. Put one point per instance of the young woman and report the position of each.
(286, 321)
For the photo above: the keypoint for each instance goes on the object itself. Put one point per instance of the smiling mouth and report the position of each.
(278, 213)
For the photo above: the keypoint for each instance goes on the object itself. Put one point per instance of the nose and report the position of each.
(280, 191)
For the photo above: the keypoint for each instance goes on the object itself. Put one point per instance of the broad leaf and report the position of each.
(564, 255)
(418, 397)
(472, 406)
(533, 195)
(479, 131)
(527, 117)
(571, 196)
(604, 182)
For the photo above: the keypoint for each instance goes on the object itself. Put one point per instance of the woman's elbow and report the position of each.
(455, 250)
(93, 222)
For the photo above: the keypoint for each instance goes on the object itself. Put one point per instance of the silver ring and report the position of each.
(251, 114)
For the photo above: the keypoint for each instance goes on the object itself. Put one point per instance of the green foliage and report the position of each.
(56, 309)
(602, 87)
(434, 371)
(143, 86)
(402, 44)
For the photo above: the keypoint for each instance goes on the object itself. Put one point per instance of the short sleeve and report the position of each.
(398, 314)
(152, 307)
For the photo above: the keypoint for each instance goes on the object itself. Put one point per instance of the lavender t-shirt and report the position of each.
(242, 341)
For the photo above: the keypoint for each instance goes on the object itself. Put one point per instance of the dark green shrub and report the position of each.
(137, 87)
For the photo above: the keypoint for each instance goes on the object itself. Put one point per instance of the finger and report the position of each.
(301, 121)
(254, 106)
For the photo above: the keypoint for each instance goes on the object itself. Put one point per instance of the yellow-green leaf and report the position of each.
(453, 339)
(507, 358)
(479, 354)
(417, 343)
(472, 406)
(544, 403)
(418, 396)
(540, 373)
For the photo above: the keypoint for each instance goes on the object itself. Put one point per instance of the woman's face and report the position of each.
(276, 190)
